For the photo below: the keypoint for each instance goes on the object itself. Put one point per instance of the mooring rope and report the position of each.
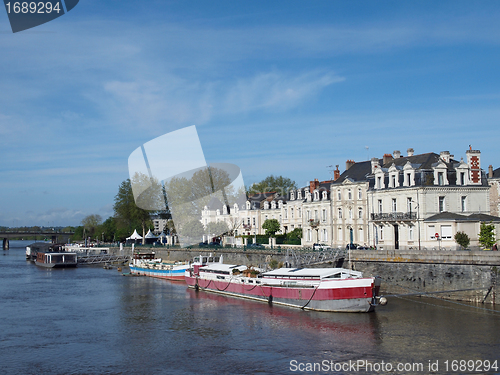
(312, 295)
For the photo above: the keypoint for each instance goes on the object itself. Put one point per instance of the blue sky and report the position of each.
(284, 87)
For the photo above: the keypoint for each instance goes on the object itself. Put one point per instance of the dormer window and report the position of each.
(266, 205)
(224, 210)
(235, 207)
(316, 195)
(248, 205)
(292, 195)
(325, 195)
(273, 205)
(299, 194)
(218, 212)
(280, 204)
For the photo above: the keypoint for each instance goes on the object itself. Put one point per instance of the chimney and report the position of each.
(397, 154)
(386, 159)
(445, 156)
(490, 171)
(349, 164)
(375, 164)
(410, 152)
(474, 162)
(313, 185)
(336, 173)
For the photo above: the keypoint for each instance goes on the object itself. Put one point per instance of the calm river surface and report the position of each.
(94, 321)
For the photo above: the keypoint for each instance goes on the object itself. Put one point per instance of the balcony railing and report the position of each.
(394, 216)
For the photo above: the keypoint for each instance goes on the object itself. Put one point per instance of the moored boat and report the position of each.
(147, 265)
(320, 289)
(56, 260)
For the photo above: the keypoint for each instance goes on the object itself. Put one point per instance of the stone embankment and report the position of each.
(472, 275)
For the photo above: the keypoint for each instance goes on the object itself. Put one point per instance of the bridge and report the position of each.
(53, 235)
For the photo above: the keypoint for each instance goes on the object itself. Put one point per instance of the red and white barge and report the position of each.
(320, 289)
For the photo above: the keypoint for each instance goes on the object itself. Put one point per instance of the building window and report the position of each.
(441, 204)
(360, 213)
(462, 178)
(463, 202)
(339, 195)
(394, 205)
(360, 235)
(316, 196)
(286, 213)
(340, 213)
(379, 182)
(381, 232)
(446, 232)
(299, 194)
(309, 235)
(408, 204)
(316, 215)
(248, 221)
(299, 212)
(323, 213)
(308, 215)
(324, 195)
(380, 206)
(410, 233)
(253, 221)
(440, 178)
(360, 194)
(291, 212)
(350, 213)
(393, 181)
(349, 194)
(407, 179)
(292, 195)
(280, 219)
(432, 232)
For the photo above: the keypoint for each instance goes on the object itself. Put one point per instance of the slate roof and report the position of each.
(450, 216)
(496, 173)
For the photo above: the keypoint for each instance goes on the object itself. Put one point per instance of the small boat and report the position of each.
(320, 289)
(147, 265)
(56, 260)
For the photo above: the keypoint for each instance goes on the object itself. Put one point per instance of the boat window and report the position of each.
(210, 259)
(250, 281)
(221, 277)
(257, 282)
(216, 259)
(334, 276)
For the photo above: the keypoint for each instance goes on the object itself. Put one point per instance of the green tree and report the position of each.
(217, 229)
(271, 226)
(295, 234)
(194, 229)
(109, 229)
(279, 184)
(462, 239)
(91, 223)
(127, 214)
(487, 235)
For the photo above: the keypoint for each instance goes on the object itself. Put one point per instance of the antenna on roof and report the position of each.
(330, 170)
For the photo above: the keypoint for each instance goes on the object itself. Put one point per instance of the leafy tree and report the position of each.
(295, 234)
(78, 236)
(127, 214)
(90, 224)
(217, 229)
(279, 184)
(273, 263)
(109, 229)
(271, 226)
(462, 239)
(193, 229)
(487, 235)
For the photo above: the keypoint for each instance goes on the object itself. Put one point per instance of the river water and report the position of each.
(89, 320)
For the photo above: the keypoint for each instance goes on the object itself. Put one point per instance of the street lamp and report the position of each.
(418, 219)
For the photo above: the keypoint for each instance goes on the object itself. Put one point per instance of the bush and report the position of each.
(462, 239)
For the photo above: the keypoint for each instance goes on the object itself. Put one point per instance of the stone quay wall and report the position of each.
(402, 271)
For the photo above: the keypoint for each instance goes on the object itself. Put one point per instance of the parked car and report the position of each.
(352, 246)
(256, 246)
(320, 246)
